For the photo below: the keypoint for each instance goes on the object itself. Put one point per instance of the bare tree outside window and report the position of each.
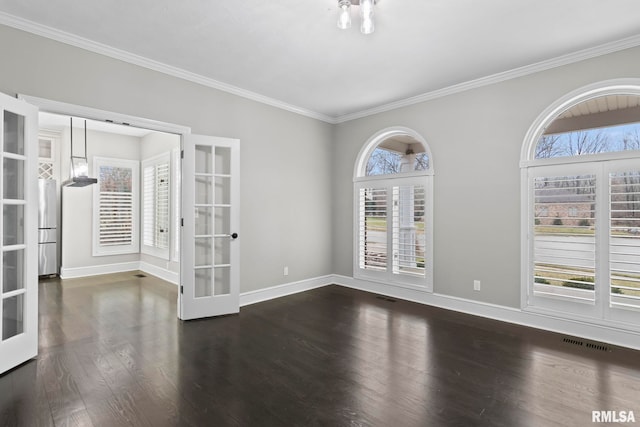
(386, 162)
(591, 141)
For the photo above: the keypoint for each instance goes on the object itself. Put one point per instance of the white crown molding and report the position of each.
(559, 61)
(73, 40)
(122, 55)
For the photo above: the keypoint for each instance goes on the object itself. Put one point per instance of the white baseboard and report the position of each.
(163, 273)
(95, 270)
(612, 335)
(252, 297)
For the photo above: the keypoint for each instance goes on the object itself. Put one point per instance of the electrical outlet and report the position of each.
(476, 285)
(286, 271)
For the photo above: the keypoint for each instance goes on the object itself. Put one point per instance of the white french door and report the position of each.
(210, 248)
(18, 233)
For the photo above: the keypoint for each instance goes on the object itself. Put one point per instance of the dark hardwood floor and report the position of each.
(112, 353)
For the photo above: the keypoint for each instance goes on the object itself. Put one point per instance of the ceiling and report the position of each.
(291, 54)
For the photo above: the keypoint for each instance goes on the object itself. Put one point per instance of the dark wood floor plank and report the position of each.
(112, 353)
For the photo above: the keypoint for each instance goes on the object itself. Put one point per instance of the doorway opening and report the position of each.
(129, 220)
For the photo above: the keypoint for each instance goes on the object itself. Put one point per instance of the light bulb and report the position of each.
(344, 19)
(366, 11)
(367, 26)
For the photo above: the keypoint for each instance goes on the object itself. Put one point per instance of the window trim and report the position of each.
(630, 86)
(134, 247)
(424, 178)
(155, 161)
(601, 165)
(359, 172)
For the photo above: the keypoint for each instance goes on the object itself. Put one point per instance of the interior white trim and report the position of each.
(260, 295)
(57, 107)
(73, 40)
(359, 171)
(628, 86)
(162, 273)
(122, 55)
(95, 270)
(615, 333)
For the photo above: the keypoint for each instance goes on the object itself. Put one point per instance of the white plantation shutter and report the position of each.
(624, 247)
(116, 218)
(156, 207)
(115, 207)
(148, 184)
(162, 206)
(565, 245)
(409, 230)
(392, 231)
(373, 228)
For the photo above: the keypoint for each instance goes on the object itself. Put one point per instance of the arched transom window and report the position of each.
(393, 209)
(581, 246)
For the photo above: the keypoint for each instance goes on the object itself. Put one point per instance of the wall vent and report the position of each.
(590, 345)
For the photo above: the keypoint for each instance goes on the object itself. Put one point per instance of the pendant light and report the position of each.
(79, 164)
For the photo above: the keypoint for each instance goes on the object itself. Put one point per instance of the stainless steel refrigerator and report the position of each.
(47, 227)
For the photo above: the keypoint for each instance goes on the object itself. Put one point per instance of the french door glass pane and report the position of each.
(203, 282)
(13, 133)
(624, 255)
(12, 270)
(204, 190)
(204, 161)
(223, 160)
(222, 280)
(408, 230)
(223, 190)
(222, 250)
(564, 236)
(222, 221)
(12, 316)
(13, 177)
(203, 223)
(13, 225)
(204, 251)
(373, 229)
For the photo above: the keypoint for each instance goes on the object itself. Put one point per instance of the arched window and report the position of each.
(393, 210)
(581, 169)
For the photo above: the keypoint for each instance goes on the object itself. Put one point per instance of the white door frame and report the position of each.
(20, 347)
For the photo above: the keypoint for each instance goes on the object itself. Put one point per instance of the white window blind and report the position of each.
(392, 231)
(565, 244)
(156, 218)
(373, 228)
(115, 206)
(409, 230)
(624, 248)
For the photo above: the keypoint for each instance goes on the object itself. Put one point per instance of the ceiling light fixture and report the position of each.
(79, 164)
(366, 14)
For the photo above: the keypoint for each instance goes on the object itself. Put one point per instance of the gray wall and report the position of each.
(77, 203)
(475, 138)
(285, 157)
(151, 145)
(296, 203)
